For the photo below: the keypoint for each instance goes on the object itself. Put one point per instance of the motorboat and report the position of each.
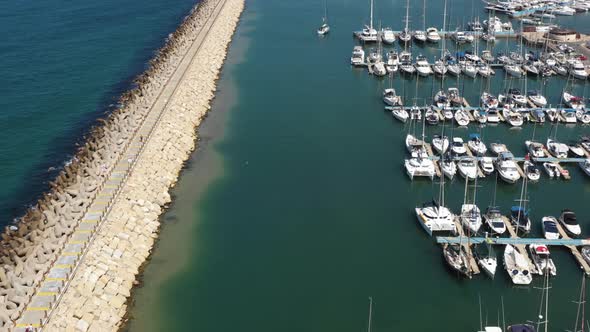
(487, 165)
(552, 170)
(460, 37)
(517, 97)
(493, 115)
(379, 68)
(458, 147)
(462, 117)
(469, 69)
(392, 63)
(573, 101)
(470, 218)
(422, 66)
(519, 217)
(374, 56)
(453, 68)
(488, 265)
(420, 36)
(439, 67)
(406, 65)
(536, 98)
(476, 145)
(516, 57)
(569, 115)
(456, 258)
(518, 268)
(391, 98)
(585, 166)
(558, 150)
(578, 70)
(488, 100)
(490, 38)
(448, 167)
(432, 35)
(447, 114)
(536, 149)
(515, 119)
(400, 113)
(475, 26)
(531, 171)
(507, 167)
(550, 230)
(358, 56)
(467, 168)
(420, 166)
(542, 259)
(440, 144)
(503, 59)
(495, 221)
(585, 143)
(473, 57)
(513, 70)
(576, 150)
(583, 116)
(431, 116)
(586, 253)
(481, 116)
(560, 70)
(323, 29)
(537, 115)
(434, 217)
(498, 148)
(570, 223)
(387, 36)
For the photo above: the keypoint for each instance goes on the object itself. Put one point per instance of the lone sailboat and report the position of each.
(324, 28)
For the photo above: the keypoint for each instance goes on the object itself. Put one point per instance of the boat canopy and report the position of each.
(521, 328)
(506, 155)
(474, 136)
(570, 218)
(516, 210)
(540, 249)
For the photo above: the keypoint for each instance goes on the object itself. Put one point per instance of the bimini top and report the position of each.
(474, 136)
(518, 209)
(506, 155)
(521, 328)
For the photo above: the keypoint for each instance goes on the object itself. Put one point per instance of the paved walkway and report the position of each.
(56, 281)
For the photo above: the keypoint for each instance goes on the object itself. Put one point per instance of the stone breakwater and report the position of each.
(96, 296)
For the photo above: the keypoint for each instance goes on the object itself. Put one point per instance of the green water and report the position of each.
(296, 208)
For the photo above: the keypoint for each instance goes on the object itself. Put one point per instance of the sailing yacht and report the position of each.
(406, 65)
(471, 217)
(469, 69)
(536, 98)
(391, 98)
(434, 216)
(419, 164)
(476, 145)
(369, 34)
(440, 143)
(462, 117)
(519, 216)
(513, 69)
(517, 266)
(324, 28)
(558, 150)
(488, 263)
(405, 36)
(420, 36)
(488, 100)
(456, 258)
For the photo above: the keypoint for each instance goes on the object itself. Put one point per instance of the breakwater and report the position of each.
(143, 144)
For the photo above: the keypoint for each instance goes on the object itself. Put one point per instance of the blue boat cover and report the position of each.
(473, 136)
(521, 328)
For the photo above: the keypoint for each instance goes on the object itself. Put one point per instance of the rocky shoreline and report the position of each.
(97, 293)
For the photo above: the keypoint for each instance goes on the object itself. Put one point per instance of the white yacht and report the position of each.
(476, 145)
(495, 221)
(515, 119)
(392, 63)
(441, 100)
(487, 165)
(391, 98)
(583, 116)
(448, 167)
(493, 116)
(420, 166)
(573, 101)
(536, 149)
(358, 56)
(432, 35)
(558, 150)
(422, 66)
(513, 70)
(462, 117)
(531, 171)
(484, 69)
(488, 100)
(480, 115)
(440, 143)
(400, 113)
(551, 170)
(458, 147)
(498, 148)
(439, 67)
(406, 65)
(563, 11)
(405, 36)
(387, 36)
(467, 168)
(570, 223)
(578, 70)
(507, 168)
(569, 115)
(413, 143)
(435, 218)
(323, 29)
(517, 97)
(469, 69)
(585, 166)
(536, 98)
(379, 68)
(420, 36)
(550, 230)
(517, 266)
(471, 218)
(542, 259)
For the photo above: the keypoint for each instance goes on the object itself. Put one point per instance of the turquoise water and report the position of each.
(297, 211)
(64, 65)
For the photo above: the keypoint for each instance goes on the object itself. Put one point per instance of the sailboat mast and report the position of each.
(370, 314)
(371, 23)
(443, 28)
(424, 15)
